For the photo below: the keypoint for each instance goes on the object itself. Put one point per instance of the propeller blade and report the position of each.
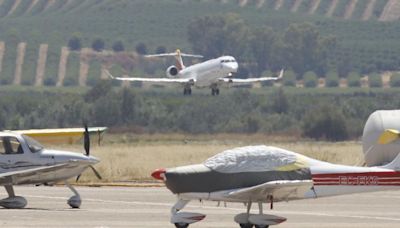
(86, 139)
(96, 173)
(388, 136)
(77, 178)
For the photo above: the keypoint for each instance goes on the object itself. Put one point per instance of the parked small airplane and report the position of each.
(23, 161)
(211, 74)
(261, 174)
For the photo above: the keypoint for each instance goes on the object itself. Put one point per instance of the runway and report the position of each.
(149, 207)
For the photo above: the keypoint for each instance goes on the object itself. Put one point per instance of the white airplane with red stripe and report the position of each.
(212, 74)
(262, 174)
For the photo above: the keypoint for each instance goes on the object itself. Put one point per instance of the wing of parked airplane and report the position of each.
(279, 190)
(8, 177)
(239, 81)
(60, 135)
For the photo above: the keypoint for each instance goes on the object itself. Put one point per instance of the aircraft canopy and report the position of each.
(253, 159)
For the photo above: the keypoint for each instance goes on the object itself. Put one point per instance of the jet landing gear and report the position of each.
(247, 220)
(13, 201)
(75, 200)
(214, 90)
(187, 91)
(184, 219)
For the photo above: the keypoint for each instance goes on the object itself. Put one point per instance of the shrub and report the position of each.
(310, 80)
(141, 48)
(75, 43)
(289, 78)
(395, 80)
(98, 45)
(353, 80)
(332, 79)
(49, 81)
(69, 82)
(375, 80)
(118, 46)
(325, 122)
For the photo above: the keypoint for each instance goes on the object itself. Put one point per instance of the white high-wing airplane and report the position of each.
(261, 174)
(25, 161)
(212, 74)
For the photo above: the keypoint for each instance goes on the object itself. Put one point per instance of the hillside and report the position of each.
(34, 32)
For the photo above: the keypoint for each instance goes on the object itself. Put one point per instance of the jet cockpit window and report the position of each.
(33, 145)
(10, 145)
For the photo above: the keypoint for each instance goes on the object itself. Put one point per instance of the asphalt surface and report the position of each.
(149, 207)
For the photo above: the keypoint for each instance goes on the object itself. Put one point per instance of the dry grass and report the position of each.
(124, 158)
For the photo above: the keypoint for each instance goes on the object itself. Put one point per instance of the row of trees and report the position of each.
(316, 115)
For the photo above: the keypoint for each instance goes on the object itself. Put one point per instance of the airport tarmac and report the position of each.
(149, 207)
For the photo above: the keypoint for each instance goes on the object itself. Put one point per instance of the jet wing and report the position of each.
(280, 190)
(159, 81)
(60, 135)
(239, 81)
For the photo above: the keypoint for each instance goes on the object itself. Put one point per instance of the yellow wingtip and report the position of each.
(388, 136)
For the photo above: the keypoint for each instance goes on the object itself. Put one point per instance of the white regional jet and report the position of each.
(211, 74)
(261, 174)
(25, 161)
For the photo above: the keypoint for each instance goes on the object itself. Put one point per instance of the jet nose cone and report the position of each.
(234, 67)
(159, 174)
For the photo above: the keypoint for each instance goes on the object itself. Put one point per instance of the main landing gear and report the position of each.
(214, 90)
(13, 201)
(247, 220)
(187, 91)
(184, 219)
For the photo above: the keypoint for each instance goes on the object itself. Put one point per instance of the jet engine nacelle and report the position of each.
(172, 71)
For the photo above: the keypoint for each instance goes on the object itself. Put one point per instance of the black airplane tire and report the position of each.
(217, 92)
(247, 225)
(189, 91)
(181, 225)
(213, 92)
(261, 226)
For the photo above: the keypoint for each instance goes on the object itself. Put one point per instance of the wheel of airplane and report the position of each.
(217, 92)
(181, 225)
(213, 93)
(261, 226)
(247, 225)
(189, 91)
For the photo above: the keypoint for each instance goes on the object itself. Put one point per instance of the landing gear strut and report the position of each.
(214, 92)
(13, 201)
(187, 91)
(184, 219)
(75, 200)
(261, 220)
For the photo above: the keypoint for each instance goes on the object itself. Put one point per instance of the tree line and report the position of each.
(330, 116)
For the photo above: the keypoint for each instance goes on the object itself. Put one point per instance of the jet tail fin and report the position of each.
(389, 136)
(178, 56)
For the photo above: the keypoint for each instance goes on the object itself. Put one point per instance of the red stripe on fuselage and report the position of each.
(391, 178)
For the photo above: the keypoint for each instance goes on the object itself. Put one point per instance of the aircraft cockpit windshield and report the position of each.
(228, 61)
(32, 144)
